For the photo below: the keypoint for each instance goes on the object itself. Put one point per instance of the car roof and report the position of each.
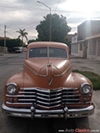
(46, 44)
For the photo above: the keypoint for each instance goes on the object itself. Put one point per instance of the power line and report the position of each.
(10, 34)
(10, 28)
(57, 6)
(26, 26)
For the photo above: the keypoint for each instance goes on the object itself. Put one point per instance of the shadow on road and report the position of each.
(23, 125)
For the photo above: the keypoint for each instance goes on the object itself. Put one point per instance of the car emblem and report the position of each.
(50, 80)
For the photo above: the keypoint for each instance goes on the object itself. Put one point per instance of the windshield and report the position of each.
(47, 52)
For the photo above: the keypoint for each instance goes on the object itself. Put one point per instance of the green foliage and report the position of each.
(59, 28)
(94, 78)
(31, 41)
(22, 35)
(11, 43)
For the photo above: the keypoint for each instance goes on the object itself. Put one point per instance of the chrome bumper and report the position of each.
(60, 113)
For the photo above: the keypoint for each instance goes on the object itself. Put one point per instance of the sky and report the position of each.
(26, 14)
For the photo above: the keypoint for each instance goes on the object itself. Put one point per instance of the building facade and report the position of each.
(87, 44)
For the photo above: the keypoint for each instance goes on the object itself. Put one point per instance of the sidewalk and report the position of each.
(85, 64)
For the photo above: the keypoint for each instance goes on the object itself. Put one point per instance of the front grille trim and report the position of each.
(46, 98)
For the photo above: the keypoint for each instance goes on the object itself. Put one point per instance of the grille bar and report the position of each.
(47, 98)
(49, 103)
(49, 94)
(26, 100)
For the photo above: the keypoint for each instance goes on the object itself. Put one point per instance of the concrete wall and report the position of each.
(88, 28)
(74, 49)
(77, 49)
(93, 50)
(80, 49)
(3, 49)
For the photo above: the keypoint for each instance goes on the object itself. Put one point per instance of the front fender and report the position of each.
(75, 80)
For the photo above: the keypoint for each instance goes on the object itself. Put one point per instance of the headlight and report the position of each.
(86, 88)
(11, 88)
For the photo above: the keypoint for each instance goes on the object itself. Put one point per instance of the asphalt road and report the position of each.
(11, 64)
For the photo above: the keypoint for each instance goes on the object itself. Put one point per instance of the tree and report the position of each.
(59, 28)
(22, 35)
(30, 41)
(10, 43)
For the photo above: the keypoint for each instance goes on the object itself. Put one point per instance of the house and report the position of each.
(2, 48)
(69, 37)
(87, 42)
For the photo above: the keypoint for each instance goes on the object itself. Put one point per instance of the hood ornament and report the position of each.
(50, 80)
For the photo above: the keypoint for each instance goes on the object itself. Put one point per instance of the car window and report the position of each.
(52, 52)
(38, 52)
(57, 52)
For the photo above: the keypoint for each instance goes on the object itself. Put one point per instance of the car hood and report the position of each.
(47, 73)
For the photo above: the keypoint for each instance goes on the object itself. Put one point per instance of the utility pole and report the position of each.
(4, 36)
(50, 23)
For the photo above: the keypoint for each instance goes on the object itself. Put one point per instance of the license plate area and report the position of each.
(52, 115)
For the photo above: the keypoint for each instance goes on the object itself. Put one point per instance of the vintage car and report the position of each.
(47, 87)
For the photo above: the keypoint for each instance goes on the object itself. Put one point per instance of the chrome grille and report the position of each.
(48, 98)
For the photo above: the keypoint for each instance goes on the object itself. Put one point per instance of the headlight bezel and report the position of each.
(11, 88)
(83, 90)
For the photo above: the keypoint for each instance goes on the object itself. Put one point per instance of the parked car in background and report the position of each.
(17, 49)
(24, 49)
(10, 50)
(47, 87)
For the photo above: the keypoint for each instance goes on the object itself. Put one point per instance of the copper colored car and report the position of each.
(47, 87)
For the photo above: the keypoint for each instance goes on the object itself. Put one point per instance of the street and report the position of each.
(13, 63)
